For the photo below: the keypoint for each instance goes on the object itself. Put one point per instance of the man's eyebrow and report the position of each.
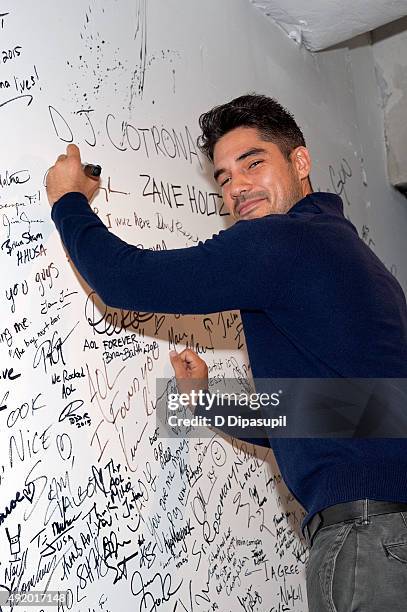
(253, 151)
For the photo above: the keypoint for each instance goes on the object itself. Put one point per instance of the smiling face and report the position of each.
(255, 177)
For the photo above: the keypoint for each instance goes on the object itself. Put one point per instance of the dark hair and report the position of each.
(274, 122)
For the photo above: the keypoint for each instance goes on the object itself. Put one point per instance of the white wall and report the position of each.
(387, 207)
(389, 47)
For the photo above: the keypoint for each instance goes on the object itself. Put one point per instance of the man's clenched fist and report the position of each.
(67, 175)
(191, 372)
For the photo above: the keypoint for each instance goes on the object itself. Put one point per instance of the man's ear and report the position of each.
(301, 160)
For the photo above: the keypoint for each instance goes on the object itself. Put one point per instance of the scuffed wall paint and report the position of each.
(319, 24)
(384, 223)
(389, 47)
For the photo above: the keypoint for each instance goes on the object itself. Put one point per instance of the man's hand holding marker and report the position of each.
(68, 174)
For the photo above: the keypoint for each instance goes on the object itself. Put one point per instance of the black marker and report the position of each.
(92, 170)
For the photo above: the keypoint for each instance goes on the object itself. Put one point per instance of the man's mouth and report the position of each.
(247, 206)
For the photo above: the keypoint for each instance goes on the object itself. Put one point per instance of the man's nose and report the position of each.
(239, 184)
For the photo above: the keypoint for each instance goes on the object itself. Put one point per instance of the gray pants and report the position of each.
(355, 567)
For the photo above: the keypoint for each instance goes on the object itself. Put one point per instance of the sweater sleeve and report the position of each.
(234, 269)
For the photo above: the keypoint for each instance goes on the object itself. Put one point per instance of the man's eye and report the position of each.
(224, 182)
(254, 164)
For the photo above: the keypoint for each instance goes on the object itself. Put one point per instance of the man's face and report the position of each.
(255, 177)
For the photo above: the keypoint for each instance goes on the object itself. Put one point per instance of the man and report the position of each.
(315, 303)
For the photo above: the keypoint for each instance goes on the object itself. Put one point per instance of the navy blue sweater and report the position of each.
(315, 302)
